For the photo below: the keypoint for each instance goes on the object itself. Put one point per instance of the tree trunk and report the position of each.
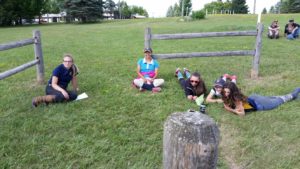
(190, 141)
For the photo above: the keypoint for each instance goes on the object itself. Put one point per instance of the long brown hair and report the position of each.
(200, 88)
(234, 95)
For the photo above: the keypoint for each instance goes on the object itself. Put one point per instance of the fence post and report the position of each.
(256, 58)
(39, 56)
(190, 141)
(147, 38)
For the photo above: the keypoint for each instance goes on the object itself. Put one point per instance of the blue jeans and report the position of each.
(265, 102)
(293, 35)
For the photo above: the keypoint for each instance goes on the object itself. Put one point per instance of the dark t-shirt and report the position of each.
(189, 89)
(286, 30)
(63, 74)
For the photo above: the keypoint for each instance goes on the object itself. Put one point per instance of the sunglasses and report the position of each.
(67, 61)
(194, 81)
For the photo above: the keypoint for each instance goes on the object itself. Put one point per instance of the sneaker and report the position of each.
(141, 89)
(226, 76)
(186, 70)
(133, 85)
(176, 72)
(234, 78)
(156, 89)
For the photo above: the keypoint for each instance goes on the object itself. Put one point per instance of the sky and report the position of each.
(158, 8)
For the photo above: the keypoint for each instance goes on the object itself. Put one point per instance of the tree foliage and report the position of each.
(288, 6)
(138, 10)
(197, 15)
(13, 12)
(218, 6)
(84, 10)
(272, 10)
(125, 11)
(176, 10)
(264, 11)
(187, 7)
(239, 6)
(110, 6)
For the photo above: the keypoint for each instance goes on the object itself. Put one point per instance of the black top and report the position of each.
(286, 31)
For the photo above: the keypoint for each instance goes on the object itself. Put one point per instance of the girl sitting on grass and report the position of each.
(193, 87)
(56, 89)
(237, 103)
(147, 70)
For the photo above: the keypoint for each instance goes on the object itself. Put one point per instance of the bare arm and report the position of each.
(139, 73)
(239, 110)
(58, 88)
(209, 99)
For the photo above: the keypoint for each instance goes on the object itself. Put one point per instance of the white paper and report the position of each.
(82, 96)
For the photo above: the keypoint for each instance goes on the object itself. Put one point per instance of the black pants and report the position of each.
(59, 97)
(182, 83)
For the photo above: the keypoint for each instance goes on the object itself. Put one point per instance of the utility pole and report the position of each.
(182, 8)
(254, 6)
(120, 16)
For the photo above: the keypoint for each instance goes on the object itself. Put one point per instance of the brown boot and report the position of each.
(42, 99)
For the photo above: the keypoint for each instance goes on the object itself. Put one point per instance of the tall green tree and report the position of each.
(277, 7)
(264, 11)
(138, 10)
(124, 10)
(218, 6)
(170, 12)
(174, 11)
(54, 6)
(239, 6)
(272, 9)
(14, 12)
(84, 10)
(110, 6)
(289, 6)
(294, 6)
(187, 7)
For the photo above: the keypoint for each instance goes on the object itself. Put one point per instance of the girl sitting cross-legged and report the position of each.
(147, 71)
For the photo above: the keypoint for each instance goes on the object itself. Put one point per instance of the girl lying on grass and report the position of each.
(214, 95)
(194, 86)
(237, 103)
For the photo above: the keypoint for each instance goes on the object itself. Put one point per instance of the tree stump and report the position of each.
(190, 141)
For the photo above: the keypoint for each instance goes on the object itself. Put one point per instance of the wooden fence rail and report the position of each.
(16, 44)
(38, 59)
(255, 53)
(202, 35)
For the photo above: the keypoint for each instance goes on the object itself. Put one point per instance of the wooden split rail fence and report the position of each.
(255, 53)
(38, 59)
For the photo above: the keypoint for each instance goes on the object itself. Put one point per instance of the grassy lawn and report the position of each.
(118, 127)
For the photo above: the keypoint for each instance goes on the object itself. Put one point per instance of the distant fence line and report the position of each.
(38, 59)
(213, 12)
(255, 53)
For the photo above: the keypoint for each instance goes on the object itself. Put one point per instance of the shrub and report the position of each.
(197, 15)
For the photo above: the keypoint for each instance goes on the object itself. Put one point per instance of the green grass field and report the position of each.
(117, 127)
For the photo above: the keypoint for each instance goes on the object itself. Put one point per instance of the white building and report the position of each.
(50, 18)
